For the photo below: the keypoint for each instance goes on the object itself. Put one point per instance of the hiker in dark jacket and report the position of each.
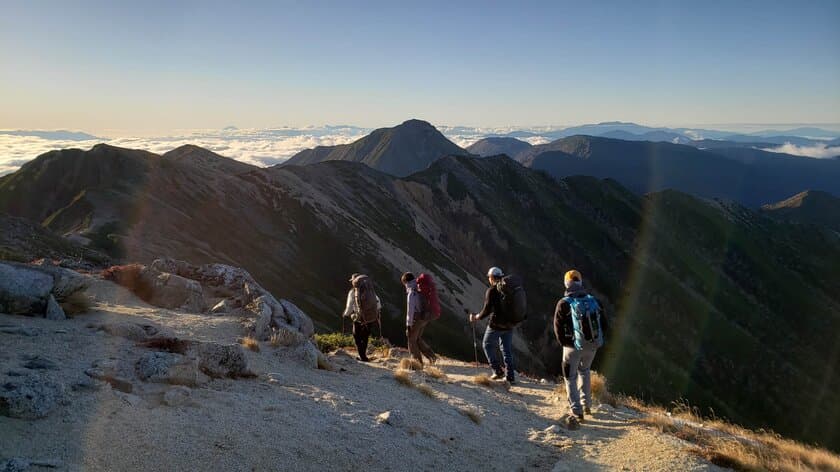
(497, 334)
(578, 353)
(416, 319)
(361, 326)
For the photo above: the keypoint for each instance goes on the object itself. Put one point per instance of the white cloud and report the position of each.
(817, 150)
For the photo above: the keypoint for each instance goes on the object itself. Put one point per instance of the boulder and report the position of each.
(222, 360)
(305, 353)
(66, 282)
(173, 291)
(54, 310)
(168, 367)
(23, 290)
(297, 318)
(29, 396)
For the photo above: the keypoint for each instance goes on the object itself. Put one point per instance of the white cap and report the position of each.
(495, 272)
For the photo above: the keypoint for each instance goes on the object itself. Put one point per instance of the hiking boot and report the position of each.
(511, 381)
(587, 411)
(497, 376)
(362, 359)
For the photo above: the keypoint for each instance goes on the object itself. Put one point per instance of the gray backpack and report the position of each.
(365, 296)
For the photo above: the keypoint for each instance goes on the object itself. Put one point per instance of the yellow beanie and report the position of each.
(571, 275)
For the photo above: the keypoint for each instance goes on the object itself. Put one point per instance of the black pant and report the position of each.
(361, 334)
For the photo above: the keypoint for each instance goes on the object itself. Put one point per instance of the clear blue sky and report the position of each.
(163, 65)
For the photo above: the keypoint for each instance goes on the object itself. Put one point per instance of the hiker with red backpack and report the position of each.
(579, 326)
(363, 308)
(422, 307)
(505, 304)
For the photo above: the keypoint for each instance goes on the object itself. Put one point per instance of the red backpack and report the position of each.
(426, 288)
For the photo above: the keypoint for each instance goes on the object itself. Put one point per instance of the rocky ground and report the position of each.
(95, 398)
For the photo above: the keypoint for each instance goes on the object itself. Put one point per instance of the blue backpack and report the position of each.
(586, 321)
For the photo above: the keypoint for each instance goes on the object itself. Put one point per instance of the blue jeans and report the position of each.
(504, 339)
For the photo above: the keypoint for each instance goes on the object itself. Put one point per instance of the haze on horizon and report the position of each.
(156, 67)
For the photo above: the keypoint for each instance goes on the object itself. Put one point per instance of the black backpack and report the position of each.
(514, 302)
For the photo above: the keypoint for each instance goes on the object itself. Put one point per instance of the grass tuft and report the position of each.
(404, 377)
(328, 342)
(427, 390)
(251, 343)
(435, 373)
(410, 364)
(483, 380)
(472, 413)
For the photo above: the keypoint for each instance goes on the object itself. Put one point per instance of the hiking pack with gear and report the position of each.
(586, 321)
(428, 295)
(365, 295)
(514, 302)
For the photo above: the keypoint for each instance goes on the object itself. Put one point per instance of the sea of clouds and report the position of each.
(269, 146)
(261, 147)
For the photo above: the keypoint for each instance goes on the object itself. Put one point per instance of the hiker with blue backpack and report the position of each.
(505, 305)
(579, 326)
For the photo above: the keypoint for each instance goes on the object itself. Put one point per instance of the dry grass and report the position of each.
(483, 380)
(410, 364)
(435, 373)
(732, 446)
(472, 413)
(600, 391)
(76, 303)
(427, 390)
(403, 376)
(251, 343)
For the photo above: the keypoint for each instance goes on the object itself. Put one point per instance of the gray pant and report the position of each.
(578, 362)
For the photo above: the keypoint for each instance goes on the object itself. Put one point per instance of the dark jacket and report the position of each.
(563, 330)
(493, 307)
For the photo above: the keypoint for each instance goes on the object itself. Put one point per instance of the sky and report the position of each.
(151, 68)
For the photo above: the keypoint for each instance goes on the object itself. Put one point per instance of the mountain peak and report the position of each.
(401, 150)
(196, 155)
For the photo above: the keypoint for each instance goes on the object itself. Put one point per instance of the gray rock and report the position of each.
(570, 422)
(222, 360)
(23, 290)
(168, 367)
(174, 291)
(298, 319)
(54, 310)
(29, 397)
(128, 330)
(177, 396)
(395, 418)
(305, 353)
(66, 282)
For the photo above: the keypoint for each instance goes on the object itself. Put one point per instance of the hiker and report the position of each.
(579, 326)
(363, 308)
(417, 316)
(505, 310)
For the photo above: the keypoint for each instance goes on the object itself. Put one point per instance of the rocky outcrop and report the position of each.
(170, 368)
(29, 396)
(37, 289)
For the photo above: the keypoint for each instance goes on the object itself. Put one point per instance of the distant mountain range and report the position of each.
(498, 145)
(400, 151)
(712, 301)
(60, 135)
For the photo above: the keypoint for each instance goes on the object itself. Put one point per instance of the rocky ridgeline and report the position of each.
(163, 359)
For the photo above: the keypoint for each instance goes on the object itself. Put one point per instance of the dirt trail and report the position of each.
(293, 418)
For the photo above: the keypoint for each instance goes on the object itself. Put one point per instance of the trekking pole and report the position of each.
(475, 341)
